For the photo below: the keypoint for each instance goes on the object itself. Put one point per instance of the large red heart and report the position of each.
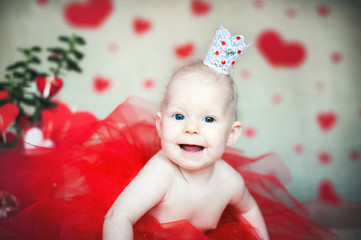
(8, 113)
(185, 50)
(89, 14)
(64, 127)
(326, 120)
(278, 52)
(141, 25)
(200, 8)
(327, 192)
(48, 86)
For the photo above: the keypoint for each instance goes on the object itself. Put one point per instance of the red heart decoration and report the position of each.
(354, 155)
(323, 10)
(200, 8)
(326, 120)
(258, 3)
(324, 157)
(278, 52)
(336, 57)
(42, 2)
(101, 84)
(327, 193)
(249, 132)
(55, 85)
(60, 123)
(141, 25)
(298, 148)
(291, 12)
(185, 50)
(148, 83)
(8, 113)
(277, 99)
(88, 14)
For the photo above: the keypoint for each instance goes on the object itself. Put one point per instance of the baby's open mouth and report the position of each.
(191, 148)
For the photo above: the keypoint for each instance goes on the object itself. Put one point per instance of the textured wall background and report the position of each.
(306, 107)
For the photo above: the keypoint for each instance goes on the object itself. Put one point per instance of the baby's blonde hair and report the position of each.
(199, 66)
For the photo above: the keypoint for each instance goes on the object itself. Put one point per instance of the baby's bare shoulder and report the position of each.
(159, 164)
(228, 174)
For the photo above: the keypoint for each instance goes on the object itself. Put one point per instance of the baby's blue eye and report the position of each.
(178, 116)
(209, 119)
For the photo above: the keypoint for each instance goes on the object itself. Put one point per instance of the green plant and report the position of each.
(22, 76)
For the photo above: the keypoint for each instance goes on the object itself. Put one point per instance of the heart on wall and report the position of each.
(89, 14)
(278, 52)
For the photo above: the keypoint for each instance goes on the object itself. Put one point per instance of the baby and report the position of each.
(187, 179)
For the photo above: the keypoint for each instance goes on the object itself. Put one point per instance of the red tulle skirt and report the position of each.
(64, 192)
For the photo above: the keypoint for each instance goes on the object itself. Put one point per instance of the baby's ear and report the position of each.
(234, 133)
(158, 122)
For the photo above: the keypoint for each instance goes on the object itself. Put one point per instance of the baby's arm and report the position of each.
(248, 208)
(146, 190)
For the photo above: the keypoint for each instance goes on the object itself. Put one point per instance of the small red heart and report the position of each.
(141, 25)
(149, 83)
(327, 192)
(113, 47)
(323, 10)
(8, 113)
(185, 50)
(249, 132)
(354, 155)
(200, 8)
(258, 3)
(101, 84)
(278, 52)
(88, 14)
(320, 86)
(277, 99)
(326, 120)
(42, 2)
(298, 148)
(48, 86)
(245, 74)
(336, 57)
(324, 157)
(291, 12)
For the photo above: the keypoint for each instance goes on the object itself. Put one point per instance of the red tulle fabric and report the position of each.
(64, 192)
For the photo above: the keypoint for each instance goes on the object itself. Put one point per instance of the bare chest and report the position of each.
(203, 207)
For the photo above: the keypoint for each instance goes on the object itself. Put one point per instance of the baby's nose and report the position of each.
(191, 128)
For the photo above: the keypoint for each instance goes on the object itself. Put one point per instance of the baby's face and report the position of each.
(197, 121)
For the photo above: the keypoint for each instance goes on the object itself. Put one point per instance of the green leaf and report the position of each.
(3, 85)
(43, 74)
(79, 40)
(18, 74)
(25, 51)
(78, 54)
(64, 39)
(57, 50)
(3, 102)
(72, 65)
(54, 59)
(16, 65)
(36, 49)
(35, 60)
(53, 70)
(33, 73)
(29, 102)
